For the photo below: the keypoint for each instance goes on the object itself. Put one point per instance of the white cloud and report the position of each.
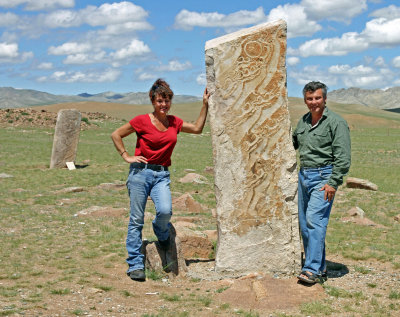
(363, 81)
(109, 75)
(349, 42)
(83, 58)
(134, 49)
(201, 79)
(146, 76)
(37, 5)
(377, 33)
(396, 62)
(69, 48)
(312, 73)
(117, 18)
(292, 61)
(383, 32)
(85, 53)
(338, 10)
(362, 76)
(150, 72)
(8, 19)
(8, 50)
(380, 61)
(351, 71)
(127, 27)
(298, 23)
(62, 19)
(115, 13)
(186, 20)
(175, 66)
(391, 12)
(45, 65)
(9, 53)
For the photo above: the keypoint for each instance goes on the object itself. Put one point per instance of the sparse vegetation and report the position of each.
(154, 275)
(50, 254)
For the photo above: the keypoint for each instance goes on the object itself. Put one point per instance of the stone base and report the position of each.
(170, 261)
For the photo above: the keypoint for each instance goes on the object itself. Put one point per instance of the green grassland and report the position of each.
(47, 251)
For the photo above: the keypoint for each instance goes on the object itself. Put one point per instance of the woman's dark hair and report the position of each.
(160, 87)
(315, 85)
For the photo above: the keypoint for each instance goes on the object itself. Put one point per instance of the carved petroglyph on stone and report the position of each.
(254, 159)
(66, 137)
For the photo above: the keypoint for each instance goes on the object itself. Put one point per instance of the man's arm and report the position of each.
(341, 148)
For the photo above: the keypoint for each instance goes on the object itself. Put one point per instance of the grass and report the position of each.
(154, 275)
(316, 308)
(47, 252)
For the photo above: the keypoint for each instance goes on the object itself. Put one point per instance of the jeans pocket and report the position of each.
(132, 173)
(325, 174)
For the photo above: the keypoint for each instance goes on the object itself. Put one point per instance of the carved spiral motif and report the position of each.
(253, 49)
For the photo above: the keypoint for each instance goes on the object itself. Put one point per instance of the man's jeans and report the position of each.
(314, 214)
(142, 183)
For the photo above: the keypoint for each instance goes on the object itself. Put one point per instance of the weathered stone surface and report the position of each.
(353, 182)
(74, 189)
(170, 261)
(66, 137)
(193, 178)
(194, 244)
(97, 211)
(187, 203)
(254, 159)
(114, 186)
(356, 212)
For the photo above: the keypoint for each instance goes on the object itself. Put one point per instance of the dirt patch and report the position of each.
(268, 293)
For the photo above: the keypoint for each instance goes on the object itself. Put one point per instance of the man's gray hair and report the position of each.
(315, 85)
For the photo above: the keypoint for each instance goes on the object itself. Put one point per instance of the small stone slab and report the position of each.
(353, 182)
(66, 138)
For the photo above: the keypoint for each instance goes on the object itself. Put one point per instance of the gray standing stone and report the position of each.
(66, 137)
(254, 159)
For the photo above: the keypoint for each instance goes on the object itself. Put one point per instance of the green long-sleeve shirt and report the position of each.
(327, 143)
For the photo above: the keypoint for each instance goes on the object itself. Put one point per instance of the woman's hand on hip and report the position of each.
(134, 159)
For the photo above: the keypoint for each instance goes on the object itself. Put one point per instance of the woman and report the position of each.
(148, 175)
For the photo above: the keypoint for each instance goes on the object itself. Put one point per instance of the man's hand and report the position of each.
(329, 192)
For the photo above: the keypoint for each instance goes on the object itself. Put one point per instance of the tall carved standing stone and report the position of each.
(66, 137)
(254, 159)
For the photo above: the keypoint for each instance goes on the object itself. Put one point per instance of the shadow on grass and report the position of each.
(81, 166)
(336, 270)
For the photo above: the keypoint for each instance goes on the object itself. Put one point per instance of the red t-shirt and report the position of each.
(156, 146)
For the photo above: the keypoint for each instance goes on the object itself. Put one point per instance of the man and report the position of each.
(323, 140)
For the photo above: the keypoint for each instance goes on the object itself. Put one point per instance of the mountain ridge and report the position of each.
(10, 97)
(20, 98)
(381, 99)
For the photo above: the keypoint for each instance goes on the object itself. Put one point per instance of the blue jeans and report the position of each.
(314, 213)
(141, 184)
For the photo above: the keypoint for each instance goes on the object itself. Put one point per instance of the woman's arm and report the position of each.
(198, 126)
(117, 137)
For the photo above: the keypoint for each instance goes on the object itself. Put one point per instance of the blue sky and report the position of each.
(71, 46)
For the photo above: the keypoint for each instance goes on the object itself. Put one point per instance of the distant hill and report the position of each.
(376, 98)
(357, 116)
(21, 98)
(388, 99)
